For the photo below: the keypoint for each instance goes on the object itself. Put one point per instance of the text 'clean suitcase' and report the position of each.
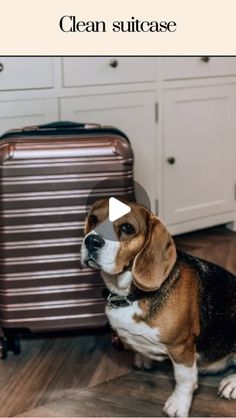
(47, 174)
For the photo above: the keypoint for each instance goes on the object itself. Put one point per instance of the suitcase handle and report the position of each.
(61, 125)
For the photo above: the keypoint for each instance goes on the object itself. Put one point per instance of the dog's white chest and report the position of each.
(138, 335)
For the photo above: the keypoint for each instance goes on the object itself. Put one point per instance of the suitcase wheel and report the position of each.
(3, 348)
(14, 344)
(10, 342)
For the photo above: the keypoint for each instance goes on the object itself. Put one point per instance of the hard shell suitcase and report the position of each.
(47, 174)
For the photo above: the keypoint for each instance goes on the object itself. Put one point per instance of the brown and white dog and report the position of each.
(163, 302)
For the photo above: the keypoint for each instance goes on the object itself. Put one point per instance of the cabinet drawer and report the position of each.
(17, 114)
(197, 67)
(25, 73)
(106, 70)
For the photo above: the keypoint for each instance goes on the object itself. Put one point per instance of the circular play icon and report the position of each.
(117, 209)
(118, 204)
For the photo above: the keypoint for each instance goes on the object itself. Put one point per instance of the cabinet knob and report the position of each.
(1, 67)
(113, 63)
(170, 160)
(205, 59)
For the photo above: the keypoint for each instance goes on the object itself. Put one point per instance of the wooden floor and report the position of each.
(84, 375)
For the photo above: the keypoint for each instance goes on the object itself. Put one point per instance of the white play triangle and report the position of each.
(117, 209)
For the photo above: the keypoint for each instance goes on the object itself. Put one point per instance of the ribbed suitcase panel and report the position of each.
(45, 184)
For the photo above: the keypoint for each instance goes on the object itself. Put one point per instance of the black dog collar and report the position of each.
(117, 301)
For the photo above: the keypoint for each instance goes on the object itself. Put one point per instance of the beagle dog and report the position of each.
(163, 302)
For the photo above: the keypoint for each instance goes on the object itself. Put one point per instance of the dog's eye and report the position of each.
(127, 229)
(93, 220)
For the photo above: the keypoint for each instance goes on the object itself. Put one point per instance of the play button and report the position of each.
(117, 209)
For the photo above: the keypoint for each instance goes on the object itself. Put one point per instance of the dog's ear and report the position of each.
(154, 262)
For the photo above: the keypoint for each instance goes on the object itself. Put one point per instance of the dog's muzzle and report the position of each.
(93, 243)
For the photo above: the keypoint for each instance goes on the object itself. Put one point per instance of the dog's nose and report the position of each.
(94, 242)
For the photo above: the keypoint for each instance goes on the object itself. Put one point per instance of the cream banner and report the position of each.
(124, 27)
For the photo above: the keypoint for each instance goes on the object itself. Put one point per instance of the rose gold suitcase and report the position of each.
(47, 174)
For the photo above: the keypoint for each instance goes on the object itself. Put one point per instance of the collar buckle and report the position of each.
(116, 301)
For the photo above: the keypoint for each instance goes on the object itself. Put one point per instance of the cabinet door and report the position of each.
(134, 114)
(17, 114)
(199, 152)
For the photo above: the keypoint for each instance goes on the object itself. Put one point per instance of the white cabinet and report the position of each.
(199, 152)
(17, 114)
(132, 113)
(26, 73)
(88, 71)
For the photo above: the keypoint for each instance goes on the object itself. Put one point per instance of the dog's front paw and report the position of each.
(176, 406)
(227, 387)
(141, 362)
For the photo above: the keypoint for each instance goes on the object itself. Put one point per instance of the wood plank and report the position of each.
(113, 364)
(135, 394)
(47, 369)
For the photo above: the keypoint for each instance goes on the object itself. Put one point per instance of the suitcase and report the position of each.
(47, 173)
